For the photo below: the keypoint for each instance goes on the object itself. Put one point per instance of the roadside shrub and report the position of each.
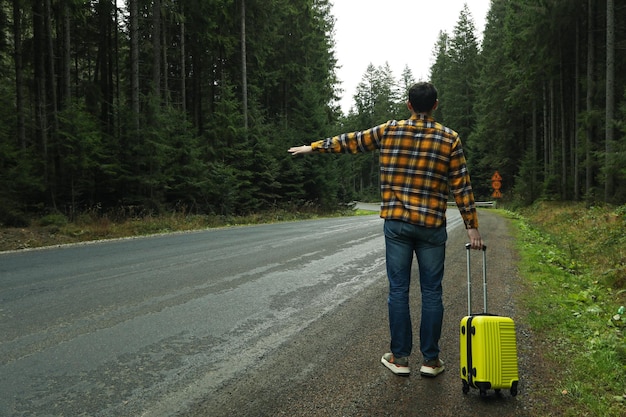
(54, 220)
(10, 217)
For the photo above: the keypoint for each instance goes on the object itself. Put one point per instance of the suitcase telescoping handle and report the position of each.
(468, 248)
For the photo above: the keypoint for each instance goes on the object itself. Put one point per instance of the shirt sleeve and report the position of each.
(353, 142)
(461, 186)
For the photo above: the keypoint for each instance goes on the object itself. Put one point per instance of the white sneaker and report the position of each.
(432, 367)
(399, 366)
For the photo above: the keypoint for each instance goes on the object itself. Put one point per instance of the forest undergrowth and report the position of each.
(57, 229)
(573, 262)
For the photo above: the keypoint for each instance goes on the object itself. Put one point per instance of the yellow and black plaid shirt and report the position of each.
(420, 162)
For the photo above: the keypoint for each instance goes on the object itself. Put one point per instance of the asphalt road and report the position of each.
(147, 326)
(332, 367)
(283, 319)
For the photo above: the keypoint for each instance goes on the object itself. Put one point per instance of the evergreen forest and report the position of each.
(139, 107)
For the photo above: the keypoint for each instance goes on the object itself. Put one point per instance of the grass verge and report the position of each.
(573, 262)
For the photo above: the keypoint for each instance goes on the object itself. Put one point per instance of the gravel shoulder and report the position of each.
(333, 366)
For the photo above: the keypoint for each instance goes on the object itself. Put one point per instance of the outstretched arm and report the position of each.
(296, 150)
(354, 142)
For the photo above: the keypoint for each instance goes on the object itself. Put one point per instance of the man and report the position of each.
(421, 161)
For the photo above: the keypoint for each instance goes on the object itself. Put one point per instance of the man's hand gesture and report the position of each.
(297, 150)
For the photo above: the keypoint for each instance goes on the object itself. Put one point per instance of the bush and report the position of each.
(54, 219)
(11, 217)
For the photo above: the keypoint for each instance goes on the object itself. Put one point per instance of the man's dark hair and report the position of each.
(422, 97)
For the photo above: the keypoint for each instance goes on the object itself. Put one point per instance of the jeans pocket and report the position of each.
(393, 228)
(439, 236)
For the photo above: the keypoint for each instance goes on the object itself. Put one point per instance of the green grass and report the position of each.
(572, 265)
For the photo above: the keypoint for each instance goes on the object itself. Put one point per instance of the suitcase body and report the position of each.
(488, 347)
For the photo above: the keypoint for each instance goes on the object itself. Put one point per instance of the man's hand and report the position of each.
(475, 240)
(297, 150)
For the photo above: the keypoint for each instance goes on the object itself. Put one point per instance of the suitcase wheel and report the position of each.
(466, 387)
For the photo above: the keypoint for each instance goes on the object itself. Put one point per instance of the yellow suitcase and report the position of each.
(488, 345)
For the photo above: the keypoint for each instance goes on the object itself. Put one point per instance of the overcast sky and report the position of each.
(400, 32)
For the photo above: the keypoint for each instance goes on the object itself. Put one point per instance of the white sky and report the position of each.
(400, 32)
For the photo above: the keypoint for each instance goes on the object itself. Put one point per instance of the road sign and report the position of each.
(496, 184)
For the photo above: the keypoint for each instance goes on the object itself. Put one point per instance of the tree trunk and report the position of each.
(134, 60)
(105, 65)
(166, 87)
(41, 125)
(183, 71)
(156, 49)
(563, 143)
(244, 67)
(535, 139)
(576, 144)
(19, 73)
(553, 167)
(117, 82)
(610, 100)
(50, 70)
(590, 93)
(546, 136)
(111, 54)
(67, 58)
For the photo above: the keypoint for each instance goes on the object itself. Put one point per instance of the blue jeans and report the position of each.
(429, 245)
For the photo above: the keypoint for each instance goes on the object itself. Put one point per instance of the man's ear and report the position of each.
(436, 105)
(409, 106)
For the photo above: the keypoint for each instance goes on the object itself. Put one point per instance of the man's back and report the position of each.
(419, 159)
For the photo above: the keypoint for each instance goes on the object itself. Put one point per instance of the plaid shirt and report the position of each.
(420, 162)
